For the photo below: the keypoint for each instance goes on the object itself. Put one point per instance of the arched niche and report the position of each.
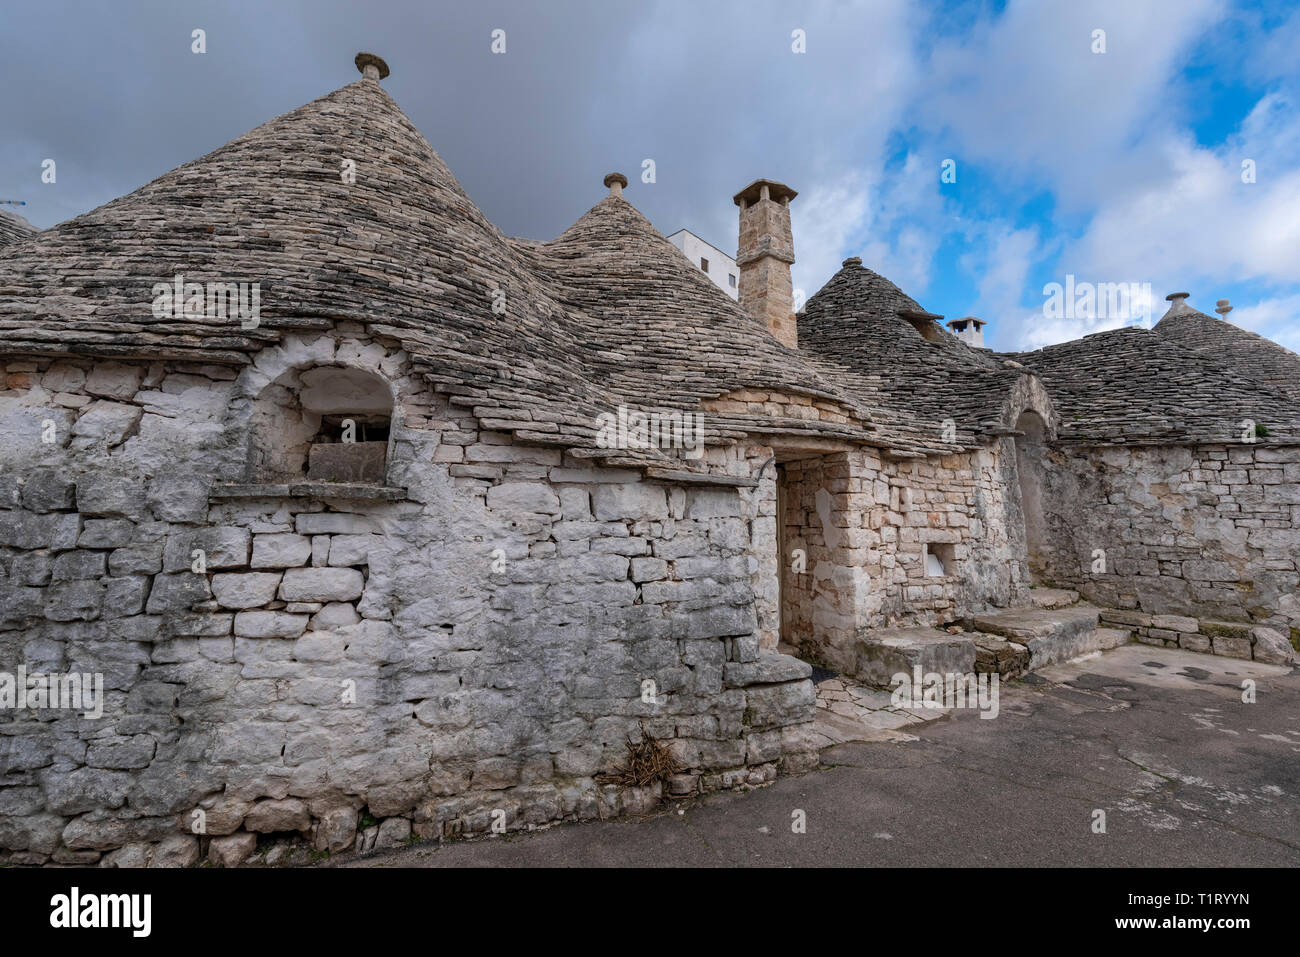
(322, 423)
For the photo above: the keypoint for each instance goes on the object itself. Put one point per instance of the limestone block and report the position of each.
(513, 498)
(771, 706)
(135, 751)
(224, 814)
(143, 559)
(124, 597)
(335, 615)
(767, 669)
(1272, 647)
(649, 569)
(222, 547)
(48, 491)
(231, 850)
(704, 504)
(179, 850)
(1175, 623)
(103, 494)
(74, 601)
(105, 423)
(27, 531)
(1209, 571)
(177, 593)
(319, 646)
(337, 830)
(629, 501)
(352, 549)
(79, 564)
(179, 498)
(105, 533)
(85, 789)
(63, 377)
(269, 624)
(32, 568)
(114, 380)
(322, 584)
(1232, 647)
(332, 523)
(134, 855)
(245, 589)
(393, 832)
(283, 550)
(270, 817)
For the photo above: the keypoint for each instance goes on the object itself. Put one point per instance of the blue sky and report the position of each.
(1122, 166)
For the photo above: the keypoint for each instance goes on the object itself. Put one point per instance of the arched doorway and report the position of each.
(1031, 449)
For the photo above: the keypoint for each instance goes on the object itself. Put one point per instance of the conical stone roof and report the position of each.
(859, 319)
(606, 314)
(1246, 353)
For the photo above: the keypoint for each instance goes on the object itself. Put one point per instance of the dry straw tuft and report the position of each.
(647, 761)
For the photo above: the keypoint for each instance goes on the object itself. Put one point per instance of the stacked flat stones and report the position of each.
(14, 229)
(1138, 386)
(913, 383)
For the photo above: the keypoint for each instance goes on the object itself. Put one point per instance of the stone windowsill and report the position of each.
(337, 490)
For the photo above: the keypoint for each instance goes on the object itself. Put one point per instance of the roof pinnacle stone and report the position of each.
(371, 66)
(615, 182)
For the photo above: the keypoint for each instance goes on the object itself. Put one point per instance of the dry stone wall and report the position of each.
(1208, 532)
(362, 668)
(865, 524)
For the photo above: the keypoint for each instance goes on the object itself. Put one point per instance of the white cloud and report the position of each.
(1277, 318)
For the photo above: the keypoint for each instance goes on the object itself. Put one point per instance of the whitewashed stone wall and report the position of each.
(479, 645)
(1209, 533)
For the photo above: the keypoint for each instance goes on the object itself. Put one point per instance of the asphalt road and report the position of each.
(1186, 773)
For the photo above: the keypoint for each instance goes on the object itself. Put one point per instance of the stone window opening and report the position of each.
(704, 264)
(323, 424)
(938, 560)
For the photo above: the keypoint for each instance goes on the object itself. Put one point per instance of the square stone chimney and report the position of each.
(765, 256)
(969, 330)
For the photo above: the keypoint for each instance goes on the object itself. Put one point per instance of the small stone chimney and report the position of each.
(969, 330)
(765, 256)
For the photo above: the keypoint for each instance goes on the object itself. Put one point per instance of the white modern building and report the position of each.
(709, 259)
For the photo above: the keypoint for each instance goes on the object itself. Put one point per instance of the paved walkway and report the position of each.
(1160, 740)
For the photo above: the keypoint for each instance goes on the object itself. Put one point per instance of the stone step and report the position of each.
(1052, 635)
(884, 652)
(1053, 597)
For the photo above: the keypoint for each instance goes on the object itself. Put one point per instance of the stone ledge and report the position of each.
(336, 490)
(687, 477)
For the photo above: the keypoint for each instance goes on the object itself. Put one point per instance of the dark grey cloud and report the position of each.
(709, 90)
